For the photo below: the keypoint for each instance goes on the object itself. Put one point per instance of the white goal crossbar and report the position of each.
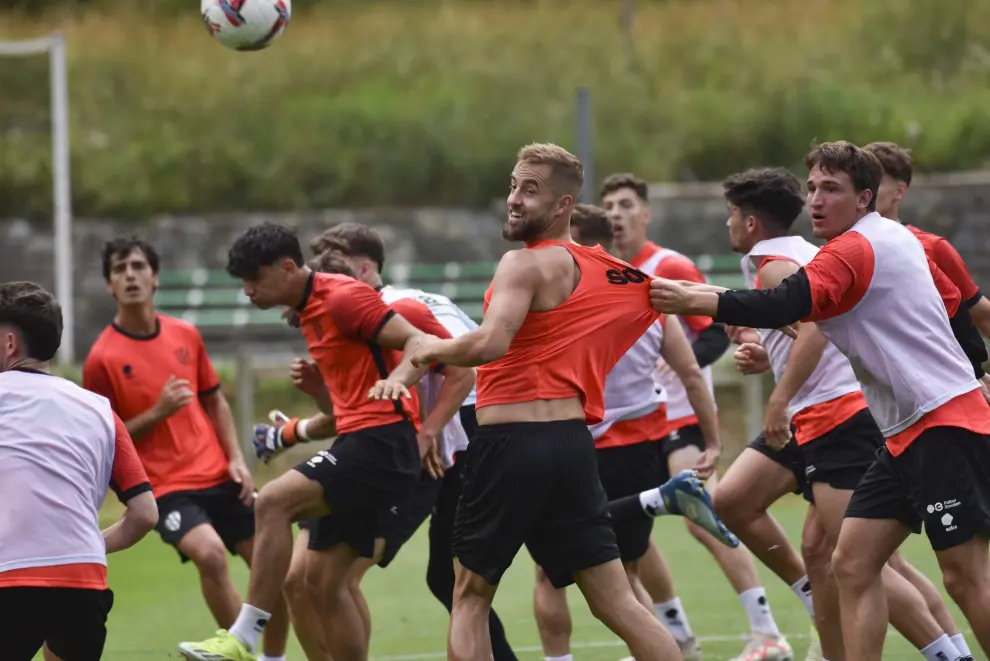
(54, 47)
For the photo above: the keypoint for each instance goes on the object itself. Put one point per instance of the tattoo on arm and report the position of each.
(511, 329)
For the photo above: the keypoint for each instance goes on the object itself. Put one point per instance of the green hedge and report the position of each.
(425, 103)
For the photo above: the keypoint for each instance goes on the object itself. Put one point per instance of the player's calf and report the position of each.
(611, 600)
(553, 618)
(966, 576)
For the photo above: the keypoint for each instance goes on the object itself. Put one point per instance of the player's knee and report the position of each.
(295, 589)
(853, 569)
(815, 548)
(210, 558)
(962, 580)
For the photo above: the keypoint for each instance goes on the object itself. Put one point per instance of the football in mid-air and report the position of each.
(246, 24)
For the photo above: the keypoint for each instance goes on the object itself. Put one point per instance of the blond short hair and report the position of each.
(565, 168)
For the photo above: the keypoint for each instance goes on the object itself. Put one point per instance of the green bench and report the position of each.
(211, 299)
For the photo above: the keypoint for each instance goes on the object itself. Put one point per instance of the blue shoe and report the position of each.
(685, 495)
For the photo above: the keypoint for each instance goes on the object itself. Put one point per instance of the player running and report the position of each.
(625, 198)
(355, 339)
(60, 448)
(359, 251)
(835, 439)
(870, 282)
(898, 168)
(558, 317)
(628, 461)
(156, 373)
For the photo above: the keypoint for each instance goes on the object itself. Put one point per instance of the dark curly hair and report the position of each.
(262, 245)
(771, 194)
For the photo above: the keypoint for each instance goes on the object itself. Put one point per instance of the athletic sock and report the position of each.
(802, 588)
(566, 657)
(941, 649)
(271, 658)
(652, 502)
(961, 645)
(248, 627)
(626, 509)
(758, 611)
(672, 614)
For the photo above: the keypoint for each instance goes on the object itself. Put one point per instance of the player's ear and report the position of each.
(154, 282)
(865, 197)
(901, 191)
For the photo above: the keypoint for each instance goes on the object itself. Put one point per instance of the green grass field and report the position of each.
(158, 603)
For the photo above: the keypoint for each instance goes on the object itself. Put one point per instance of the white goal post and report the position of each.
(54, 47)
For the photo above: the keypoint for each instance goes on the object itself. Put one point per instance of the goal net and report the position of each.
(31, 123)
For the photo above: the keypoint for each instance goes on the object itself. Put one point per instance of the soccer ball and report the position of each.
(246, 24)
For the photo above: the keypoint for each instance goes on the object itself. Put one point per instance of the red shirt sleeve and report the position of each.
(950, 294)
(839, 275)
(680, 268)
(951, 263)
(96, 379)
(357, 309)
(206, 376)
(128, 477)
(419, 315)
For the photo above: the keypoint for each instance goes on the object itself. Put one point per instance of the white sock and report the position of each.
(264, 657)
(652, 502)
(941, 649)
(566, 657)
(758, 611)
(961, 645)
(672, 614)
(249, 624)
(802, 588)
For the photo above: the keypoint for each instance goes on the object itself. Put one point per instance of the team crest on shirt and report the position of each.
(182, 355)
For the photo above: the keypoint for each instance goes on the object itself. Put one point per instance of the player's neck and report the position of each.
(627, 250)
(553, 233)
(138, 320)
(29, 365)
(297, 287)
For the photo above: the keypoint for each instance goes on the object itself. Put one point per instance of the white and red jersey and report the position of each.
(454, 438)
(879, 299)
(635, 409)
(833, 381)
(670, 264)
(60, 448)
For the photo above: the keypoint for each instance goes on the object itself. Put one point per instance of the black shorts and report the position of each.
(841, 457)
(942, 480)
(400, 524)
(533, 483)
(364, 475)
(219, 506)
(791, 457)
(689, 436)
(626, 470)
(72, 621)
(469, 420)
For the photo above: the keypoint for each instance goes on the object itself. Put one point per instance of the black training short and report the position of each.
(364, 475)
(689, 436)
(399, 525)
(626, 470)
(533, 483)
(942, 480)
(72, 621)
(219, 506)
(840, 457)
(790, 457)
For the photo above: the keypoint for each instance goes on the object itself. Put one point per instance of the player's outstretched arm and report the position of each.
(513, 289)
(804, 357)
(979, 312)
(140, 517)
(677, 353)
(399, 334)
(130, 482)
